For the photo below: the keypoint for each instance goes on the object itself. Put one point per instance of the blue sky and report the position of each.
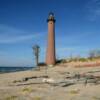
(23, 24)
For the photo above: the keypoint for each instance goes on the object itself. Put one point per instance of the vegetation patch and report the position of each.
(27, 90)
(37, 98)
(74, 91)
(11, 98)
(95, 98)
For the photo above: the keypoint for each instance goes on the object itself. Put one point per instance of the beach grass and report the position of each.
(74, 91)
(27, 90)
(37, 98)
(95, 98)
(11, 98)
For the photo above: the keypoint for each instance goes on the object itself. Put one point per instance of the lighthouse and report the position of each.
(50, 53)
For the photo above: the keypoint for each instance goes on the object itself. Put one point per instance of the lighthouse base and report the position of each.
(50, 65)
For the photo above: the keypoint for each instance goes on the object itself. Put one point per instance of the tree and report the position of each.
(36, 50)
(94, 53)
(97, 53)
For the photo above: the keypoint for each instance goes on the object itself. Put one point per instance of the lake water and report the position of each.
(14, 69)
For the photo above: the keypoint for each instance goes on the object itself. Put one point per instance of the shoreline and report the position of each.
(14, 69)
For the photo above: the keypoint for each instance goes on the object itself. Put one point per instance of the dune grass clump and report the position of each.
(28, 90)
(11, 98)
(37, 98)
(74, 91)
(95, 98)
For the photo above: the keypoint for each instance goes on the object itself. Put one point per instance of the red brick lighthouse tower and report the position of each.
(50, 54)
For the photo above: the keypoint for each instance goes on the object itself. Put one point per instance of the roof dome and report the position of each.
(51, 17)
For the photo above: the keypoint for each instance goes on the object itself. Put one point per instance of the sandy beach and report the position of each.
(53, 83)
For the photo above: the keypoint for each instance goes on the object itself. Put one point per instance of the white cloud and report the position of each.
(93, 8)
(9, 39)
(12, 35)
